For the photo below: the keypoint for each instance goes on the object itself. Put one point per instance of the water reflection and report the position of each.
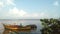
(19, 32)
(16, 32)
(9, 32)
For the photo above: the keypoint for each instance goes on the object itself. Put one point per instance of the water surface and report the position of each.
(18, 22)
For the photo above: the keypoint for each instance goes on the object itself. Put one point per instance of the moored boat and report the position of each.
(20, 28)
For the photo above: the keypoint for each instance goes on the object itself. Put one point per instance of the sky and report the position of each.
(29, 9)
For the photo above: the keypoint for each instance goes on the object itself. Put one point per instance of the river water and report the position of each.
(24, 22)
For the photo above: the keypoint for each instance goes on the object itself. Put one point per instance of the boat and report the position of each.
(20, 28)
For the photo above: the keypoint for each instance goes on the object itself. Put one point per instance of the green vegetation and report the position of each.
(50, 26)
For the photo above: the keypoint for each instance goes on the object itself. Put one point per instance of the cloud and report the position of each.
(10, 2)
(1, 4)
(16, 13)
(56, 3)
(7, 3)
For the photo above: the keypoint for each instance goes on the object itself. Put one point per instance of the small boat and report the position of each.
(20, 28)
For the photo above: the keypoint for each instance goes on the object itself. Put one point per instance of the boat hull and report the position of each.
(16, 28)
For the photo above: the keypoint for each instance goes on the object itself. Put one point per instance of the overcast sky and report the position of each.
(29, 9)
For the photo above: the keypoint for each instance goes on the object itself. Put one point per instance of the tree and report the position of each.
(50, 26)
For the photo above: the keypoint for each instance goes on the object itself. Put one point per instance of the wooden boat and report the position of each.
(16, 27)
(19, 28)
